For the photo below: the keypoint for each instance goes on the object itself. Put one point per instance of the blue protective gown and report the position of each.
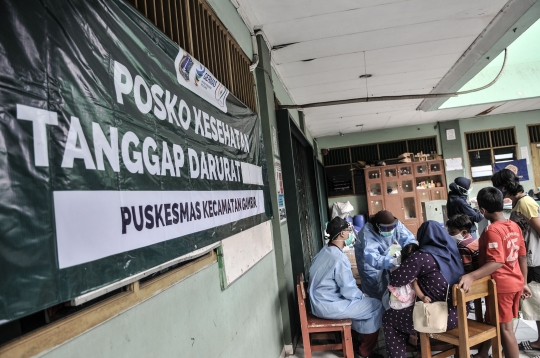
(334, 295)
(372, 258)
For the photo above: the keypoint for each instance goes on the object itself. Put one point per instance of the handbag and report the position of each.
(431, 317)
(531, 306)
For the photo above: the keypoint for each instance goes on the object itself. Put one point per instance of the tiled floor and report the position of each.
(526, 330)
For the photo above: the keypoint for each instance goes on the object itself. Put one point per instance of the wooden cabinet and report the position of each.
(402, 188)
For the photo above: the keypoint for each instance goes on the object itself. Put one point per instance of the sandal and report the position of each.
(526, 346)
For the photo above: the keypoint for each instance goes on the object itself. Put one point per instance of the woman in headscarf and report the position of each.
(457, 202)
(436, 266)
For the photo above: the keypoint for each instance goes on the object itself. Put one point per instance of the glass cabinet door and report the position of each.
(407, 186)
(374, 174)
(390, 173)
(423, 195)
(405, 170)
(435, 168)
(421, 169)
(392, 188)
(376, 206)
(438, 194)
(409, 207)
(375, 189)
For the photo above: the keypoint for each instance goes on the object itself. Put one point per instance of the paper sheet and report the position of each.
(454, 164)
(525, 154)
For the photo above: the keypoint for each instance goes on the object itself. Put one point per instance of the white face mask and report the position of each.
(458, 238)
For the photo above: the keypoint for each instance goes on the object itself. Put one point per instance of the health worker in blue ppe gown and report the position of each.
(372, 251)
(333, 292)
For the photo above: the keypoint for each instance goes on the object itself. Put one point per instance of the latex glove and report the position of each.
(391, 262)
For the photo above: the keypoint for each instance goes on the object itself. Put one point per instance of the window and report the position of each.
(487, 147)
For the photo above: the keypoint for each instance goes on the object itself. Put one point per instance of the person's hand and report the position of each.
(527, 293)
(465, 282)
(390, 262)
(426, 299)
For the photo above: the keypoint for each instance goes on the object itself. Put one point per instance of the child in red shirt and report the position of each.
(502, 255)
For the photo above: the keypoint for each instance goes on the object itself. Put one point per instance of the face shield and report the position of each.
(387, 230)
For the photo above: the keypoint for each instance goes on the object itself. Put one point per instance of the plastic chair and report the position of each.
(311, 324)
(469, 332)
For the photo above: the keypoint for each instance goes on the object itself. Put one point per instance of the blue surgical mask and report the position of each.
(387, 233)
(500, 188)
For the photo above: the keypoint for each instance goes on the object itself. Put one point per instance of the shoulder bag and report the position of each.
(431, 317)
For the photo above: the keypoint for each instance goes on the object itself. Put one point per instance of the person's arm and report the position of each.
(372, 254)
(404, 236)
(346, 282)
(466, 281)
(408, 270)
(523, 266)
(535, 224)
(474, 215)
(419, 292)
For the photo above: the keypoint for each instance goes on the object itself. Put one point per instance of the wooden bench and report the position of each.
(311, 324)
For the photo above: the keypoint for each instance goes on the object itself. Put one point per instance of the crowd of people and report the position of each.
(396, 268)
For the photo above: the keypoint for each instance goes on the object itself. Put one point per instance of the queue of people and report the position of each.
(396, 269)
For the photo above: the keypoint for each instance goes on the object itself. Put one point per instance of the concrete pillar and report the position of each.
(267, 112)
(452, 148)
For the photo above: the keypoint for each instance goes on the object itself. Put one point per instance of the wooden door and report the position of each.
(422, 195)
(438, 193)
(535, 162)
(374, 190)
(390, 173)
(392, 198)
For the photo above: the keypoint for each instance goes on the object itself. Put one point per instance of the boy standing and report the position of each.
(503, 256)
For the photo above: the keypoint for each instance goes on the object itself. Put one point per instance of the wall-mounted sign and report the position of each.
(280, 191)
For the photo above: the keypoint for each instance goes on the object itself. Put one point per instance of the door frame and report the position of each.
(287, 128)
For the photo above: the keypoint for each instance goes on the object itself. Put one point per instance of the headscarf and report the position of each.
(432, 238)
(460, 186)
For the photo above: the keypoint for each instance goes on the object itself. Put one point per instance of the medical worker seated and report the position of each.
(333, 292)
(372, 251)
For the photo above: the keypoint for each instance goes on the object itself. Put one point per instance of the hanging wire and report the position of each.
(402, 97)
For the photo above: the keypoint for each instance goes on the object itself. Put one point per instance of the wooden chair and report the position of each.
(312, 324)
(469, 332)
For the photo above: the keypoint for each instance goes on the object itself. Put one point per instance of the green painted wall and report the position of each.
(451, 148)
(194, 318)
(284, 98)
(519, 121)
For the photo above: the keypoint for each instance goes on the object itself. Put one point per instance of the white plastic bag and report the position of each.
(342, 209)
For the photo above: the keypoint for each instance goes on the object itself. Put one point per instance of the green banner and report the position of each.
(118, 152)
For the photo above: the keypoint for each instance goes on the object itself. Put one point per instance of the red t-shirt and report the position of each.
(503, 242)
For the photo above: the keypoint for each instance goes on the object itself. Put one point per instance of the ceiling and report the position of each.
(321, 47)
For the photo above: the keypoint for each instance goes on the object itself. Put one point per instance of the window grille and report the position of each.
(487, 147)
(534, 133)
(193, 25)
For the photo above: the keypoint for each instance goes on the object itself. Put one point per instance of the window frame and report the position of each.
(491, 148)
